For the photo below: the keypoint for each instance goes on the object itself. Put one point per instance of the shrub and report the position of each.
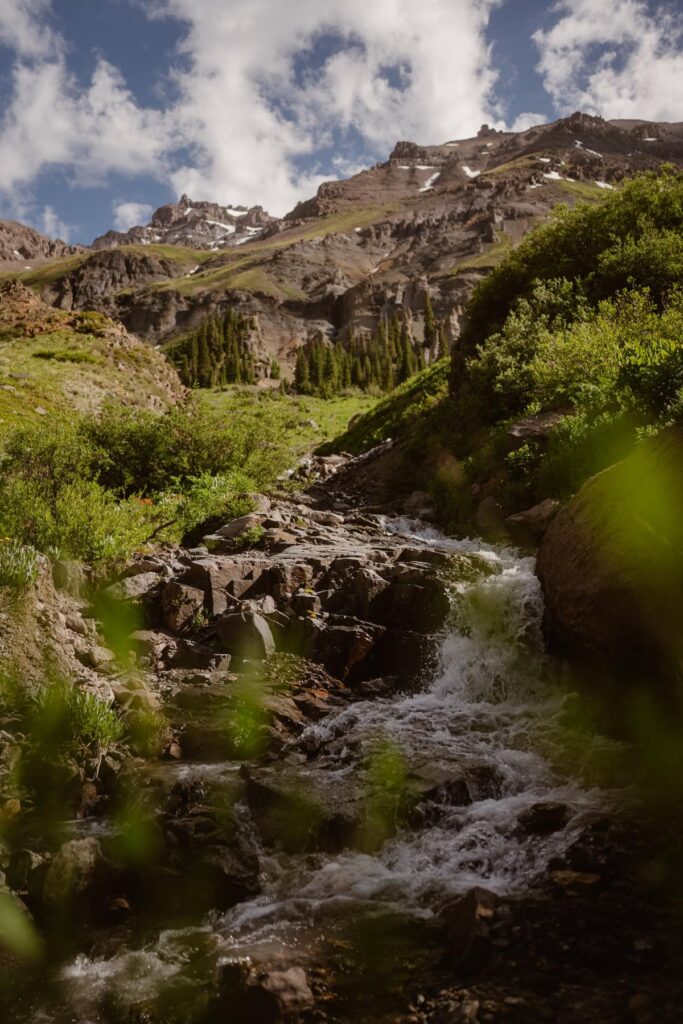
(64, 722)
(581, 446)
(19, 565)
(81, 520)
(610, 245)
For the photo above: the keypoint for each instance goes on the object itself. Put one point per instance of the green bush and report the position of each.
(19, 565)
(63, 722)
(100, 487)
(581, 446)
(81, 521)
(630, 238)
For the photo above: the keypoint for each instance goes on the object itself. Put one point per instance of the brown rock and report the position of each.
(180, 605)
(246, 634)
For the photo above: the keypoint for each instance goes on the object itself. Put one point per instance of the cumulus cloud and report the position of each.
(270, 98)
(256, 104)
(94, 131)
(256, 97)
(24, 30)
(53, 226)
(130, 214)
(620, 63)
(527, 120)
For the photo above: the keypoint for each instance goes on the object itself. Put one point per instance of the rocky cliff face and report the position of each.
(429, 220)
(197, 225)
(22, 247)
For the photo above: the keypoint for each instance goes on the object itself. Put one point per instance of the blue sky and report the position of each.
(113, 107)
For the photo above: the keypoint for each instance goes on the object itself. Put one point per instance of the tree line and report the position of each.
(218, 352)
(377, 362)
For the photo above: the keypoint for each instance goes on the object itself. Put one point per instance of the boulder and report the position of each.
(189, 654)
(72, 871)
(180, 604)
(260, 995)
(542, 819)
(528, 527)
(228, 875)
(134, 588)
(611, 564)
(246, 635)
(233, 529)
(468, 928)
(535, 429)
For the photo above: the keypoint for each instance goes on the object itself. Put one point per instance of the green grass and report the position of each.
(588, 191)
(58, 372)
(490, 258)
(292, 413)
(406, 410)
(518, 163)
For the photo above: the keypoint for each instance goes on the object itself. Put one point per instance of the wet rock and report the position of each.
(180, 604)
(542, 819)
(528, 527)
(246, 635)
(298, 811)
(72, 871)
(260, 996)
(229, 875)
(468, 928)
(26, 872)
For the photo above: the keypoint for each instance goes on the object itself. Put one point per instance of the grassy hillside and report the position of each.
(53, 364)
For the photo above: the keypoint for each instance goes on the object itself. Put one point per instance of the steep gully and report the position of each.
(409, 845)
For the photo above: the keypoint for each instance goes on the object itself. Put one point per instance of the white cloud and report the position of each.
(257, 110)
(617, 62)
(53, 226)
(129, 214)
(249, 117)
(23, 28)
(93, 131)
(527, 120)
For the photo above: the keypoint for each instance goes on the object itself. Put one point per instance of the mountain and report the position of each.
(430, 220)
(21, 245)
(196, 225)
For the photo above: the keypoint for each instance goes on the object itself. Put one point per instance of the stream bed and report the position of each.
(497, 706)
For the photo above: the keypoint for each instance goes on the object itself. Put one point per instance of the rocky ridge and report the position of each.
(197, 225)
(431, 220)
(22, 247)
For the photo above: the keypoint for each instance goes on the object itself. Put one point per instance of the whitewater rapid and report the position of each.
(497, 701)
